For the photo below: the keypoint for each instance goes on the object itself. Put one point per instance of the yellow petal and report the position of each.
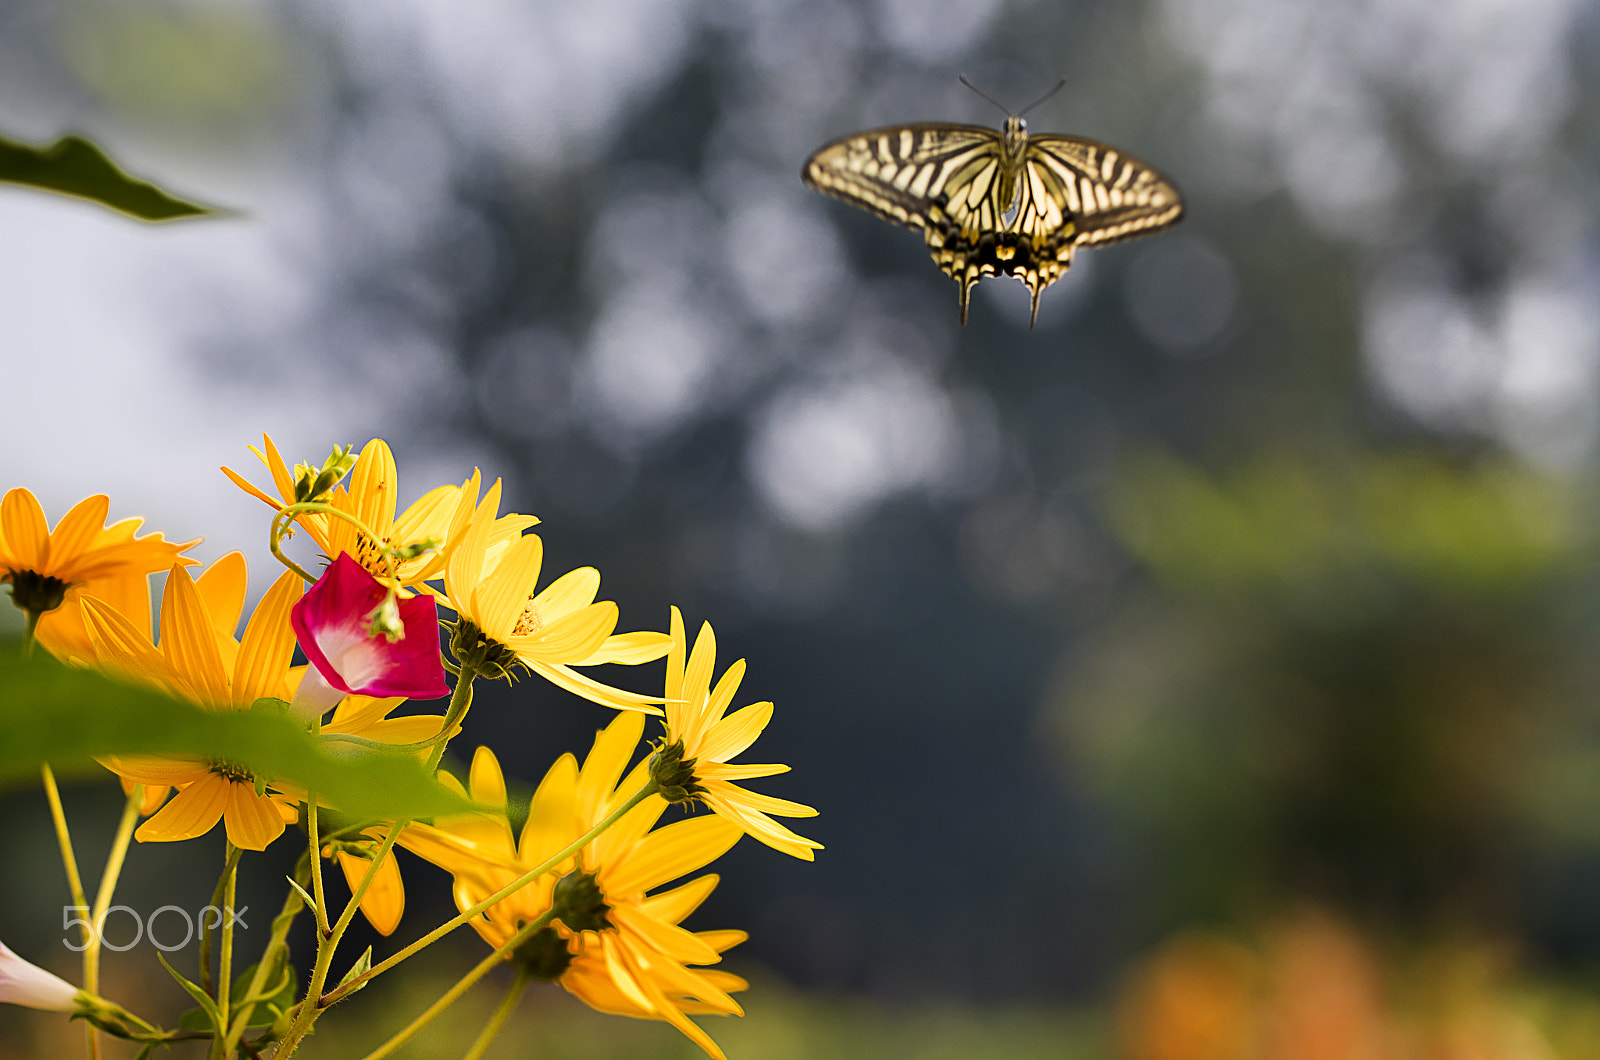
(252, 820)
(612, 749)
(574, 589)
(193, 811)
(268, 645)
(669, 852)
(464, 570)
(385, 901)
(672, 906)
(629, 649)
(498, 601)
(734, 733)
(570, 637)
(78, 529)
(189, 642)
(25, 532)
(592, 690)
(552, 813)
(676, 943)
(222, 586)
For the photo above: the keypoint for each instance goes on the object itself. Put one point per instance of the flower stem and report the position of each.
(511, 888)
(465, 983)
(207, 930)
(323, 930)
(281, 924)
(225, 969)
(498, 1021)
(290, 512)
(69, 860)
(108, 887)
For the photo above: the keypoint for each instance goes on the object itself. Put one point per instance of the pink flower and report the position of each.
(345, 623)
(22, 983)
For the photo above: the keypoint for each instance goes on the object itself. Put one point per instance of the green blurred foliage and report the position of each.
(68, 717)
(211, 70)
(1367, 683)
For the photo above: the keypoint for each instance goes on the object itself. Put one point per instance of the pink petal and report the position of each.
(331, 624)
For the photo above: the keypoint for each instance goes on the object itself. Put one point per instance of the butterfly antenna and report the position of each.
(1024, 111)
(1004, 109)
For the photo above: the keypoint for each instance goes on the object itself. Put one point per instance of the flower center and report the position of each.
(35, 593)
(232, 771)
(529, 622)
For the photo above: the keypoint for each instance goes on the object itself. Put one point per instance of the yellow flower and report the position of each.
(489, 583)
(624, 951)
(199, 660)
(50, 571)
(370, 496)
(693, 760)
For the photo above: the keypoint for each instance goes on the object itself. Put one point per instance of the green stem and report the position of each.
(498, 1021)
(69, 860)
(278, 941)
(323, 931)
(511, 888)
(225, 970)
(460, 701)
(465, 983)
(27, 634)
(289, 512)
(207, 930)
(108, 886)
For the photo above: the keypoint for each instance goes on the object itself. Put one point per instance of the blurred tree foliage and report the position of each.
(1368, 683)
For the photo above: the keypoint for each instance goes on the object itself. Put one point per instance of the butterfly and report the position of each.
(997, 203)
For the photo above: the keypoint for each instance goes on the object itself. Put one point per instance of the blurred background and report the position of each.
(1207, 672)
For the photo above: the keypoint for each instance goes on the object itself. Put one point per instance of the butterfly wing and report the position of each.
(939, 179)
(1107, 194)
(902, 173)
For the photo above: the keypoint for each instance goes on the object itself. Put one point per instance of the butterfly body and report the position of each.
(996, 203)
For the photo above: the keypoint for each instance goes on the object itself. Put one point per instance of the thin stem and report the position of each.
(275, 542)
(323, 931)
(465, 983)
(207, 928)
(69, 860)
(511, 888)
(27, 633)
(225, 972)
(498, 1021)
(108, 885)
(290, 512)
(281, 924)
(460, 701)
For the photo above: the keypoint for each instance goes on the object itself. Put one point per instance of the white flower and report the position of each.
(22, 983)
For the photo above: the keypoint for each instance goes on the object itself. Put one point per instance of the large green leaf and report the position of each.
(51, 713)
(74, 166)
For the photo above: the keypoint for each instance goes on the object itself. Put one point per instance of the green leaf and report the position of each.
(51, 713)
(362, 966)
(275, 999)
(75, 166)
(213, 1016)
